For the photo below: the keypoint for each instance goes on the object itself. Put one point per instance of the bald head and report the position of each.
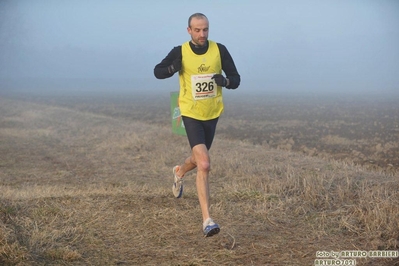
(197, 16)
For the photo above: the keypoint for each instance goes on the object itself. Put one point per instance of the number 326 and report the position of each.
(204, 86)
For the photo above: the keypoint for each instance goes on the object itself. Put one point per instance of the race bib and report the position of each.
(203, 86)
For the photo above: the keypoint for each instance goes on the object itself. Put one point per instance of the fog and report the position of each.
(287, 46)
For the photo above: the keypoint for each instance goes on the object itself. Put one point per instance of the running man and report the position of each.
(200, 63)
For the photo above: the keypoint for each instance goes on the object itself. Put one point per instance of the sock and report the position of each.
(207, 222)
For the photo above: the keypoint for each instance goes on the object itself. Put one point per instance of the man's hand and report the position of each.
(220, 80)
(175, 66)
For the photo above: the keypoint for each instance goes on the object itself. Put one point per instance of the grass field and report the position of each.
(86, 180)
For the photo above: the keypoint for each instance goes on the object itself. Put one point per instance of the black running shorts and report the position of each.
(200, 132)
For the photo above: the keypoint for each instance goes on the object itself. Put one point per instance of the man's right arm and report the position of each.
(169, 65)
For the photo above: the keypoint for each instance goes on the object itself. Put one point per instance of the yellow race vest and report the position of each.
(200, 98)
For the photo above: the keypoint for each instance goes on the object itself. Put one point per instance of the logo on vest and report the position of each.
(203, 68)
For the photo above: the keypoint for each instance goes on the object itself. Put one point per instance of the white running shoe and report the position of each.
(210, 228)
(177, 184)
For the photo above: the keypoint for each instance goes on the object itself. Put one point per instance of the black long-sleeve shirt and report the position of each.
(228, 66)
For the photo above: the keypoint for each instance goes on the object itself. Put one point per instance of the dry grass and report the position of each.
(83, 189)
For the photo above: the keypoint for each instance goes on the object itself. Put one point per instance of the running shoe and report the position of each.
(210, 228)
(177, 184)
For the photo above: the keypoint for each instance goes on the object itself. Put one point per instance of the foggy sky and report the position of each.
(330, 45)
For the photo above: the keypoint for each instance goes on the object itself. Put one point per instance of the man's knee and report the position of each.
(201, 157)
(204, 165)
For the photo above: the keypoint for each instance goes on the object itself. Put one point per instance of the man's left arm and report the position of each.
(229, 68)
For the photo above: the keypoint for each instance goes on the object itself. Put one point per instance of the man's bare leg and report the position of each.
(200, 159)
(189, 164)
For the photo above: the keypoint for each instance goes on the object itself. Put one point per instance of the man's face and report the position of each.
(199, 28)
